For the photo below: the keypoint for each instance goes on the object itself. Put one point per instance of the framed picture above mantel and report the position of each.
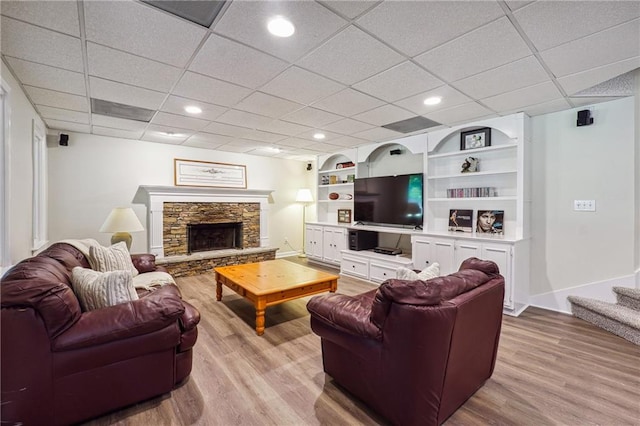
(205, 173)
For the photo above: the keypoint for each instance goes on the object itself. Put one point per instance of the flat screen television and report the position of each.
(389, 200)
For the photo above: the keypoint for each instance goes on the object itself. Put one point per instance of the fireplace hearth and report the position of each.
(214, 236)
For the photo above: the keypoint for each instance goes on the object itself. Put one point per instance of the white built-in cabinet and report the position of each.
(335, 185)
(325, 243)
(313, 241)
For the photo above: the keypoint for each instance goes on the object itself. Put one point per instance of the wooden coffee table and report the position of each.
(271, 282)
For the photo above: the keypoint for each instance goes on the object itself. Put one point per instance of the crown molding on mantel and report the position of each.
(145, 192)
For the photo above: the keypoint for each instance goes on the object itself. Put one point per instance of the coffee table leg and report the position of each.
(218, 291)
(261, 306)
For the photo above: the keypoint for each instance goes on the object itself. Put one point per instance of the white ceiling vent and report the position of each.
(411, 124)
(113, 109)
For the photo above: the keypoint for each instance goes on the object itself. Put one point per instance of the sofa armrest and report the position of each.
(190, 318)
(150, 313)
(144, 262)
(346, 313)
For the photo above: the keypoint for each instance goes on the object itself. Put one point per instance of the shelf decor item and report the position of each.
(351, 178)
(490, 222)
(460, 220)
(345, 165)
(205, 173)
(344, 216)
(470, 165)
(474, 139)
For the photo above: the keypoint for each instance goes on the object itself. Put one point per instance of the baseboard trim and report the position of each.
(602, 290)
(281, 254)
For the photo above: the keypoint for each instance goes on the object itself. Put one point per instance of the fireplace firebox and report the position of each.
(214, 236)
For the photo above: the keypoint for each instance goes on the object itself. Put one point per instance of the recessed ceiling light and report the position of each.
(172, 134)
(192, 109)
(434, 100)
(319, 136)
(274, 149)
(280, 27)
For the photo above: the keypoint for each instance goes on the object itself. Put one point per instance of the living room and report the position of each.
(571, 253)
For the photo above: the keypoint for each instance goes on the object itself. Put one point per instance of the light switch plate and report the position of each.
(584, 205)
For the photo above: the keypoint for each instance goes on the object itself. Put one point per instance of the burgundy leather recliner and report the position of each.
(414, 351)
(60, 365)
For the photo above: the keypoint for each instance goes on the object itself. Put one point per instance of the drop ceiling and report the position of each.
(350, 68)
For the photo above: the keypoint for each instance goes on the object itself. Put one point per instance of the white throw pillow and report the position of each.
(114, 258)
(151, 280)
(427, 273)
(97, 290)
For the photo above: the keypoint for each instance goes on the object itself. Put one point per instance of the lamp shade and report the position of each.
(304, 196)
(122, 219)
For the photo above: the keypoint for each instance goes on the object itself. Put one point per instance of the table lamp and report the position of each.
(304, 196)
(121, 221)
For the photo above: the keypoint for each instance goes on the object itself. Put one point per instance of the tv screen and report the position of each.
(389, 200)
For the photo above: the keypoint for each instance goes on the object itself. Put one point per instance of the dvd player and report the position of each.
(387, 250)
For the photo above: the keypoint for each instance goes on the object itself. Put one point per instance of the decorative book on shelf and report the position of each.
(485, 191)
(490, 222)
(460, 220)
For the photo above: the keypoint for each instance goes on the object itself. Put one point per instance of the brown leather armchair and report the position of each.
(414, 351)
(61, 365)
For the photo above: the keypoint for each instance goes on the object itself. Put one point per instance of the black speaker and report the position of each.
(64, 139)
(584, 118)
(362, 240)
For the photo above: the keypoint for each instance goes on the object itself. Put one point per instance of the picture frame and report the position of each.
(460, 220)
(490, 222)
(474, 139)
(209, 174)
(344, 215)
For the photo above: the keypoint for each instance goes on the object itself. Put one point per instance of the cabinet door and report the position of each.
(314, 242)
(422, 253)
(443, 252)
(501, 255)
(465, 250)
(332, 243)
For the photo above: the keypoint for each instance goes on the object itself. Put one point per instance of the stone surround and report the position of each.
(203, 263)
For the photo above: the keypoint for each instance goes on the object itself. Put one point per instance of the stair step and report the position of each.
(617, 319)
(629, 297)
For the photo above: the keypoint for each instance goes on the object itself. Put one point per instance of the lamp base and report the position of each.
(302, 255)
(122, 236)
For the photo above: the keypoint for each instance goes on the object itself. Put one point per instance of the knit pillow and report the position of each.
(114, 258)
(427, 273)
(97, 290)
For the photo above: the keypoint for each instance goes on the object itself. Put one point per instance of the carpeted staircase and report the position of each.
(621, 318)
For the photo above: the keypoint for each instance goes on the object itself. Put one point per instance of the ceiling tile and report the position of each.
(282, 127)
(179, 121)
(47, 77)
(261, 103)
(546, 107)
(66, 125)
(399, 82)
(118, 123)
(176, 105)
(384, 115)
(226, 130)
(243, 119)
(24, 41)
(312, 117)
(296, 142)
(57, 99)
(376, 134)
(575, 83)
(165, 134)
(323, 147)
(206, 89)
(227, 60)
(125, 94)
(63, 114)
(301, 86)
(552, 23)
(260, 136)
(350, 8)
(522, 73)
(347, 126)
(581, 102)
(130, 69)
(235, 148)
(117, 133)
(517, 4)
(450, 98)
(596, 50)
(460, 113)
(367, 56)
(349, 141)
(490, 46)
(348, 102)
(143, 30)
(426, 24)
(520, 98)
(246, 22)
(328, 136)
(207, 140)
(60, 16)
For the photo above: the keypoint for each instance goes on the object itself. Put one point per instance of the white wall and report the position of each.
(569, 248)
(23, 118)
(96, 173)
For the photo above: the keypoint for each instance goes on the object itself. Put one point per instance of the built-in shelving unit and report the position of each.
(335, 180)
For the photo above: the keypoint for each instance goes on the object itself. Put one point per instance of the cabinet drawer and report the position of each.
(356, 267)
(380, 273)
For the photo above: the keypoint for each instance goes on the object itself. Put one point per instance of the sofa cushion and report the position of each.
(97, 290)
(427, 273)
(114, 258)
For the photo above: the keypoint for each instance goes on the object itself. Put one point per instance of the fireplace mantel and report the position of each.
(154, 198)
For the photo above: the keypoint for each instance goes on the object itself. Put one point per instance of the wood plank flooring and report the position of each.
(552, 369)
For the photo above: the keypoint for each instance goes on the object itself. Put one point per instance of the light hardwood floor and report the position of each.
(552, 369)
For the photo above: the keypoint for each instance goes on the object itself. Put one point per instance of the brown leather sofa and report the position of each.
(61, 365)
(414, 351)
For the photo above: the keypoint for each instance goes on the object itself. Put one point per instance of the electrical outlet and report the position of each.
(584, 205)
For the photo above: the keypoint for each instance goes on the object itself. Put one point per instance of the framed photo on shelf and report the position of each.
(474, 139)
(344, 216)
(490, 222)
(460, 220)
(205, 173)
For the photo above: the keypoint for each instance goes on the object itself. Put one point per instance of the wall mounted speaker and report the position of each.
(64, 139)
(584, 118)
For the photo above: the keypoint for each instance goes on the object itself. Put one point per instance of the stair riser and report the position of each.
(629, 302)
(623, 330)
